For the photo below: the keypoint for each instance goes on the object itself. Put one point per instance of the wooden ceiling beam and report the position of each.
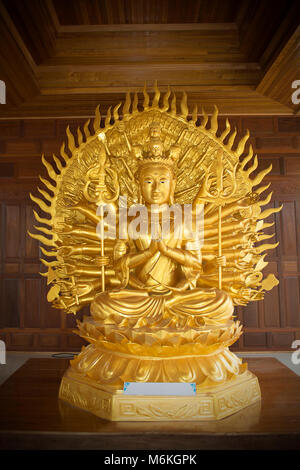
(277, 81)
(260, 21)
(283, 33)
(85, 64)
(106, 28)
(144, 11)
(230, 101)
(17, 67)
(68, 78)
(36, 25)
(165, 46)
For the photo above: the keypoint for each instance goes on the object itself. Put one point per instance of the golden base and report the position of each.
(210, 403)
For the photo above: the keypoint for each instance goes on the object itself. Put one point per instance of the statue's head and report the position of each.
(157, 183)
(156, 149)
(155, 130)
(157, 169)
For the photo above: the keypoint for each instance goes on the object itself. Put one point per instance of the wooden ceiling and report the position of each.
(61, 58)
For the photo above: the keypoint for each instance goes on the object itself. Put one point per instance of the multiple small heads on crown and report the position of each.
(155, 151)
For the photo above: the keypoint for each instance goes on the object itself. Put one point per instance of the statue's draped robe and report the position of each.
(154, 296)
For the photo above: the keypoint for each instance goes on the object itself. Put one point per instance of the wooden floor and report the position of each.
(32, 417)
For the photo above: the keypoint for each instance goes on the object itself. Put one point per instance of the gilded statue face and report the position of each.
(155, 131)
(156, 149)
(157, 184)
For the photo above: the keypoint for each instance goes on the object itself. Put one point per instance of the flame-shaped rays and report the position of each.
(63, 153)
(48, 209)
(49, 168)
(58, 163)
(135, 104)
(183, 106)
(42, 239)
(177, 110)
(86, 129)
(71, 140)
(173, 105)
(204, 120)
(166, 97)
(195, 115)
(107, 117)
(79, 136)
(115, 112)
(48, 185)
(241, 146)
(226, 131)
(97, 119)
(41, 219)
(214, 121)
(146, 98)
(41, 204)
(155, 102)
(231, 139)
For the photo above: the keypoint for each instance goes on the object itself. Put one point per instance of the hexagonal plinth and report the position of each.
(210, 403)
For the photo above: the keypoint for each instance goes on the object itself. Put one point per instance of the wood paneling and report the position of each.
(9, 316)
(143, 12)
(289, 125)
(292, 166)
(250, 315)
(32, 297)
(31, 245)
(241, 56)
(288, 237)
(12, 232)
(255, 340)
(271, 308)
(6, 170)
(291, 289)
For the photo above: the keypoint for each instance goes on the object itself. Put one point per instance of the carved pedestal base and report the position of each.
(210, 403)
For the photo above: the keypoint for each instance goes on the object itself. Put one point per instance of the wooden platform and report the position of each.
(32, 417)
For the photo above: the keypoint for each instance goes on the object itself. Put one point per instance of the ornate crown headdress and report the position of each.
(156, 153)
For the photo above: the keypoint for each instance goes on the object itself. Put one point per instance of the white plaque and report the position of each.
(159, 388)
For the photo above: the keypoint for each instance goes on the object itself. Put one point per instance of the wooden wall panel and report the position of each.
(288, 229)
(271, 308)
(250, 315)
(12, 231)
(9, 315)
(292, 165)
(31, 245)
(255, 340)
(291, 290)
(282, 340)
(32, 294)
(28, 322)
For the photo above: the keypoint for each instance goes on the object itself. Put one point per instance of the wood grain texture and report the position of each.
(62, 60)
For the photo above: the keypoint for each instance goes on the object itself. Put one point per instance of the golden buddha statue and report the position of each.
(161, 286)
(161, 274)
